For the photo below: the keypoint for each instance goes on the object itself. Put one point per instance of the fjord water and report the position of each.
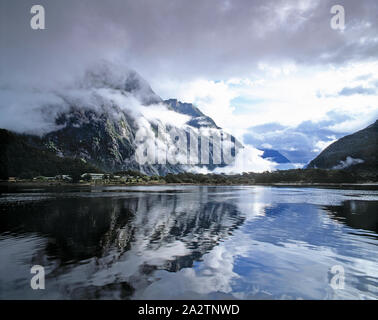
(189, 242)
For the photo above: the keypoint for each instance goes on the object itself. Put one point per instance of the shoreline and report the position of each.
(364, 185)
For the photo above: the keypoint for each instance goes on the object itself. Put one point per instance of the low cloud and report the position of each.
(30, 111)
(349, 161)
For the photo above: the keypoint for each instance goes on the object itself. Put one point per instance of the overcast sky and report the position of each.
(247, 63)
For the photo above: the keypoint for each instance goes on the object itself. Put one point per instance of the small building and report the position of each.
(43, 178)
(94, 176)
(63, 177)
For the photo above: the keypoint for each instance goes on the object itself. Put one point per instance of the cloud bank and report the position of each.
(181, 39)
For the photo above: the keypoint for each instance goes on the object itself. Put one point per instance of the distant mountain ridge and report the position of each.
(274, 155)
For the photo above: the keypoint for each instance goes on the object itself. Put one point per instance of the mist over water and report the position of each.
(188, 242)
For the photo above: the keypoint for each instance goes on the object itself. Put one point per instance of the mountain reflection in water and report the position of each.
(188, 242)
(357, 214)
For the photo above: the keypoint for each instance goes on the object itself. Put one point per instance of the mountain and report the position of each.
(110, 116)
(357, 151)
(274, 156)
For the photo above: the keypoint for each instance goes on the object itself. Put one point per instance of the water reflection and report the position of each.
(156, 231)
(188, 242)
(356, 214)
(75, 230)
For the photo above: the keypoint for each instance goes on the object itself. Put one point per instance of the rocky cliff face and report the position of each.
(198, 119)
(357, 151)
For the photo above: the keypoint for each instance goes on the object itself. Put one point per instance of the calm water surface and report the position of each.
(188, 242)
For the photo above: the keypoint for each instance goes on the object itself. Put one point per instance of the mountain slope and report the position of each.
(357, 151)
(24, 156)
